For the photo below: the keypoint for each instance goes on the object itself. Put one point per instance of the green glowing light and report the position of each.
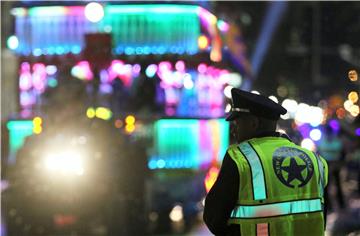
(157, 27)
(19, 11)
(155, 8)
(48, 11)
(189, 143)
(18, 131)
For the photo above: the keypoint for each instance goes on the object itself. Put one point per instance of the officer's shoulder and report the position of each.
(232, 147)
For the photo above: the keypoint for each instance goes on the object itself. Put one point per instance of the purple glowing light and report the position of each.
(304, 130)
(136, 69)
(357, 132)
(335, 125)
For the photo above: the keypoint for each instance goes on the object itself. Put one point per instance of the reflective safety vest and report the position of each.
(281, 188)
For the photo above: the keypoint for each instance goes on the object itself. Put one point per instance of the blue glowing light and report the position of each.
(37, 52)
(272, 18)
(160, 163)
(151, 70)
(357, 132)
(75, 49)
(152, 164)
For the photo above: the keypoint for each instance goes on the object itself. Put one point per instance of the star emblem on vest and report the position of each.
(292, 166)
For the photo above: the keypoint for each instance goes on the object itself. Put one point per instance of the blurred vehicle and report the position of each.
(68, 180)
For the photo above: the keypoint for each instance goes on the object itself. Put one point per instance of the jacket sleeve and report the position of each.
(222, 197)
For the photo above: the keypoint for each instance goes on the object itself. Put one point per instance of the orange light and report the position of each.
(130, 120)
(203, 42)
(353, 75)
(353, 96)
(210, 178)
(118, 123)
(340, 113)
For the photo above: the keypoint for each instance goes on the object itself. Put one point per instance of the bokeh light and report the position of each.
(347, 105)
(130, 119)
(94, 12)
(13, 42)
(176, 213)
(315, 134)
(308, 144)
(203, 42)
(90, 112)
(353, 96)
(353, 75)
(354, 110)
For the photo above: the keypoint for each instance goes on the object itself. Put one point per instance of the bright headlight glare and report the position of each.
(70, 162)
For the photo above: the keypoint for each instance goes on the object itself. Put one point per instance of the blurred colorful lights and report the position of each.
(203, 42)
(223, 26)
(308, 144)
(178, 143)
(357, 132)
(90, 112)
(103, 113)
(335, 125)
(353, 96)
(211, 177)
(13, 42)
(353, 75)
(315, 134)
(151, 70)
(94, 12)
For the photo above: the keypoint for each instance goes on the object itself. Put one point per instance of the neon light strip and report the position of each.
(157, 8)
(179, 143)
(158, 28)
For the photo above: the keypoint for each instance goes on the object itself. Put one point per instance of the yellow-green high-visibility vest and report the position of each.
(281, 188)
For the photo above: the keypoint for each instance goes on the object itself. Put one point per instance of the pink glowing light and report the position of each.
(202, 68)
(223, 26)
(136, 69)
(25, 66)
(25, 81)
(75, 11)
(180, 66)
(39, 77)
(164, 66)
(85, 70)
(117, 66)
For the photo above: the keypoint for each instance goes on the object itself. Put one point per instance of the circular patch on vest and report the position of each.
(292, 166)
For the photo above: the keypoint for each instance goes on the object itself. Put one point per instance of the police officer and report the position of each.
(267, 185)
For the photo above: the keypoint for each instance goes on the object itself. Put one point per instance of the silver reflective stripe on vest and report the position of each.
(258, 178)
(321, 171)
(277, 209)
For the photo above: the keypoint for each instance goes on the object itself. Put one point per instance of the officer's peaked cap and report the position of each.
(258, 105)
